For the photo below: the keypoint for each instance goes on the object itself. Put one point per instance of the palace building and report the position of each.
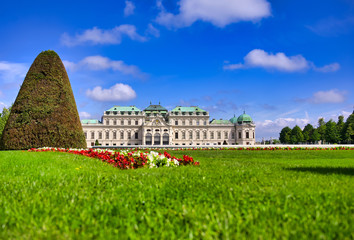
(155, 125)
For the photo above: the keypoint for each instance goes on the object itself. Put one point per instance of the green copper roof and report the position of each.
(89, 121)
(124, 109)
(244, 118)
(187, 109)
(221, 121)
(234, 119)
(155, 108)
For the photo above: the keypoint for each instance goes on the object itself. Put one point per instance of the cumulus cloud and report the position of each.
(118, 92)
(11, 72)
(98, 63)
(328, 68)
(2, 105)
(84, 115)
(272, 128)
(129, 8)
(331, 96)
(97, 36)
(259, 58)
(219, 13)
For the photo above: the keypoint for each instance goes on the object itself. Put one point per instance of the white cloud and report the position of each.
(97, 63)
(97, 36)
(272, 128)
(259, 58)
(2, 105)
(129, 8)
(220, 13)
(84, 115)
(11, 72)
(118, 92)
(151, 30)
(331, 96)
(328, 68)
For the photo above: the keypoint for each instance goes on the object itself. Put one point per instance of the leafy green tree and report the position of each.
(322, 129)
(315, 137)
(296, 135)
(331, 134)
(285, 135)
(340, 127)
(348, 129)
(307, 132)
(4, 116)
(44, 113)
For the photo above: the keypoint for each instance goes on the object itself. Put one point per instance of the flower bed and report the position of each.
(127, 159)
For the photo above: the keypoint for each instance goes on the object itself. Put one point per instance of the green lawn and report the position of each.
(232, 195)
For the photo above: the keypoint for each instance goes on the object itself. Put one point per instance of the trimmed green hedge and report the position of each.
(45, 112)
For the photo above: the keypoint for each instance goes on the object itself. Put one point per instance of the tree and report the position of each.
(331, 134)
(315, 137)
(321, 129)
(307, 132)
(4, 116)
(45, 112)
(340, 127)
(296, 135)
(285, 135)
(348, 129)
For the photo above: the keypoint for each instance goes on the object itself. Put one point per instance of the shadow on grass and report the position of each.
(325, 170)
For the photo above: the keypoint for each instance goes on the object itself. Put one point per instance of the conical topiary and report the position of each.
(45, 112)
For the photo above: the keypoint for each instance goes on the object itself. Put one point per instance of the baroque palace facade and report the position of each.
(155, 125)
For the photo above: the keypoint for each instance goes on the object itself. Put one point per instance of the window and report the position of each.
(107, 122)
(190, 122)
(226, 135)
(121, 135)
(136, 122)
(100, 135)
(129, 122)
(239, 135)
(86, 135)
(176, 122)
(122, 122)
(247, 135)
(176, 135)
(197, 122)
(219, 135)
(204, 135)
(114, 135)
(191, 135)
(253, 134)
(115, 122)
(233, 135)
(183, 123)
(204, 122)
(136, 135)
(129, 135)
(198, 135)
(92, 135)
(211, 135)
(107, 135)
(183, 135)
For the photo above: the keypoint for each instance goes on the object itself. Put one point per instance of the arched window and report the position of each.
(157, 139)
(165, 139)
(148, 139)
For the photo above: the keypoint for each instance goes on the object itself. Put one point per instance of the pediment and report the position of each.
(156, 122)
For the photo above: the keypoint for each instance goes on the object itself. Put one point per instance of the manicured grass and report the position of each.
(232, 195)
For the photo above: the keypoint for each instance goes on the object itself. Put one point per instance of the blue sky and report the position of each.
(283, 62)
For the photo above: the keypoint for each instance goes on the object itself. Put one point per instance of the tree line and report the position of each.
(326, 132)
